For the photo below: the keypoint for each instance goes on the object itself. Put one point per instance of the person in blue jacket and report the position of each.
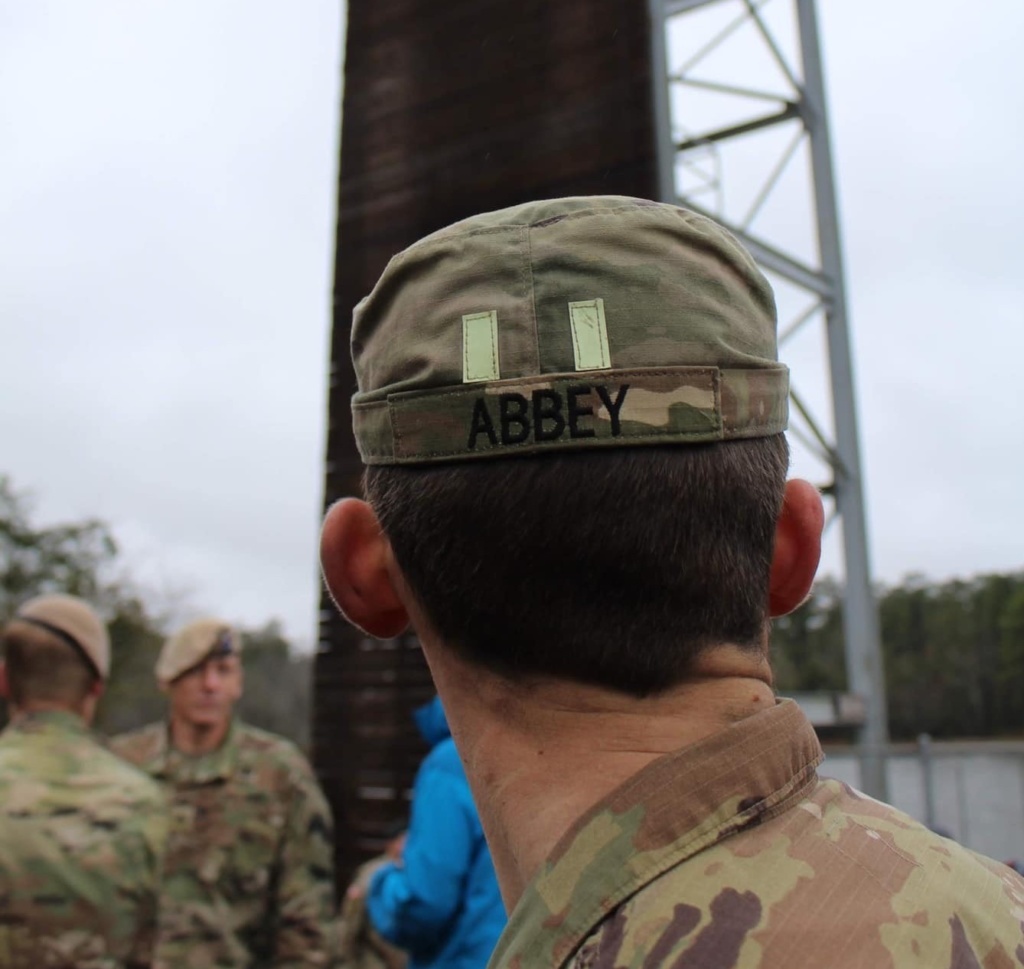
(441, 902)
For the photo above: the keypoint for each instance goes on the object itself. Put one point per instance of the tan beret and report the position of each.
(194, 643)
(73, 621)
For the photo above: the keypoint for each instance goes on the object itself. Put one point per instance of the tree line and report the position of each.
(82, 558)
(953, 651)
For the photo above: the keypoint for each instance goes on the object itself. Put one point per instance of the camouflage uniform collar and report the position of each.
(674, 808)
(64, 720)
(181, 768)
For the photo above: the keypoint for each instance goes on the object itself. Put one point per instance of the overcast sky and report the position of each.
(167, 189)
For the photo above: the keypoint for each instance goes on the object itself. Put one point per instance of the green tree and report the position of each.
(953, 653)
(132, 697)
(1010, 676)
(277, 684)
(807, 645)
(73, 558)
(79, 558)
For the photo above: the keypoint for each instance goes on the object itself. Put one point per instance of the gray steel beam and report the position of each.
(672, 7)
(789, 112)
(665, 151)
(743, 92)
(860, 615)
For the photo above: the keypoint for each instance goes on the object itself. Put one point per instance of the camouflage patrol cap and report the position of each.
(193, 644)
(73, 621)
(578, 322)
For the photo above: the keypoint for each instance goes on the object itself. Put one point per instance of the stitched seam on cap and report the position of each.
(533, 295)
(396, 437)
(578, 377)
(592, 442)
(568, 216)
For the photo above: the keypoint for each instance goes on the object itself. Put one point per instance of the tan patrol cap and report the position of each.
(192, 644)
(582, 322)
(73, 621)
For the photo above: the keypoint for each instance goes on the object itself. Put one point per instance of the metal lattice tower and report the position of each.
(739, 101)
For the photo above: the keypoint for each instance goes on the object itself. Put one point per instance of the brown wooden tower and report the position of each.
(451, 109)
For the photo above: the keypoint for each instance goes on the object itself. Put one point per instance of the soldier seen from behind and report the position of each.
(82, 834)
(249, 873)
(572, 414)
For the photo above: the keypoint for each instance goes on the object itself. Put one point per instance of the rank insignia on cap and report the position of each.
(223, 645)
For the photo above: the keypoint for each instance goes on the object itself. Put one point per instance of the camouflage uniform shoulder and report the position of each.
(732, 852)
(141, 746)
(129, 776)
(82, 839)
(272, 749)
(49, 750)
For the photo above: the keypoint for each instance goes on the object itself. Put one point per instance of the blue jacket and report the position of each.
(442, 903)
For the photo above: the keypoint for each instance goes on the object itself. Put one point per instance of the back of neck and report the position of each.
(46, 706)
(540, 755)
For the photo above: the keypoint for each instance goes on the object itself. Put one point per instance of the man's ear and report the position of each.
(797, 547)
(5, 686)
(354, 557)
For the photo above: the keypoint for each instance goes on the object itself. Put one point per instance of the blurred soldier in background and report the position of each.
(82, 834)
(440, 900)
(249, 873)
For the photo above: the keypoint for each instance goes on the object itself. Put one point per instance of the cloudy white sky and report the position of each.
(167, 183)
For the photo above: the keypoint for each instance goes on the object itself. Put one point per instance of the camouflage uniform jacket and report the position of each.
(732, 853)
(360, 946)
(82, 837)
(249, 874)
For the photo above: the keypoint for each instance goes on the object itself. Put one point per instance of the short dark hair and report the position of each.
(613, 567)
(42, 667)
